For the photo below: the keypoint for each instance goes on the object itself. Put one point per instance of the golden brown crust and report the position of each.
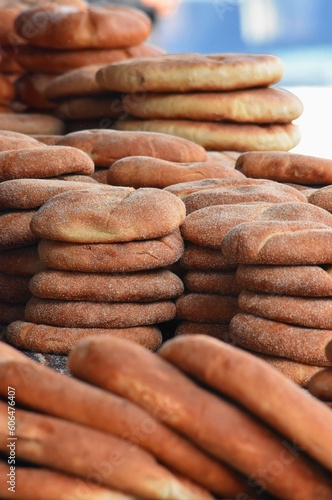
(15, 230)
(303, 420)
(60, 61)
(312, 312)
(77, 82)
(188, 72)
(279, 242)
(223, 135)
(71, 28)
(306, 281)
(322, 198)
(305, 345)
(206, 308)
(144, 171)
(60, 340)
(107, 146)
(263, 105)
(285, 167)
(43, 162)
(183, 189)
(150, 381)
(116, 215)
(112, 257)
(142, 286)
(84, 314)
(15, 140)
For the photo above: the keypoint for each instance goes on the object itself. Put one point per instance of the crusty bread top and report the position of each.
(188, 72)
(120, 214)
(69, 27)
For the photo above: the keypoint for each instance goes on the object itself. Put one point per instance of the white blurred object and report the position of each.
(315, 122)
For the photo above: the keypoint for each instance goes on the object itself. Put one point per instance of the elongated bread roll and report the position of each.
(216, 425)
(143, 171)
(117, 216)
(37, 484)
(76, 449)
(267, 393)
(129, 421)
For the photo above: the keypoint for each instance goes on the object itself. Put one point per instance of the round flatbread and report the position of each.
(111, 257)
(89, 108)
(30, 89)
(189, 72)
(77, 82)
(83, 314)
(221, 136)
(206, 308)
(31, 123)
(264, 105)
(305, 345)
(141, 286)
(60, 340)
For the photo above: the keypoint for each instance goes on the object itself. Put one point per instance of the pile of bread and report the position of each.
(48, 39)
(199, 420)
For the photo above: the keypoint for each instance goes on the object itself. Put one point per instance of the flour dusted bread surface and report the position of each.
(206, 307)
(286, 167)
(305, 345)
(143, 286)
(15, 140)
(107, 146)
(223, 283)
(144, 171)
(300, 373)
(221, 136)
(26, 194)
(188, 72)
(322, 198)
(59, 61)
(279, 242)
(312, 312)
(117, 216)
(88, 108)
(216, 330)
(80, 81)
(112, 257)
(41, 162)
(306, 281)
(183, 189)
(199, 257)
(21, 261)
(60, 340)
(264, 105)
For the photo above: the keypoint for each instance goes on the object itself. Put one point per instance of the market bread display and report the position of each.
(209, 99)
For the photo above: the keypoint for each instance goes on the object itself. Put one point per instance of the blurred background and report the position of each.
(298, 31)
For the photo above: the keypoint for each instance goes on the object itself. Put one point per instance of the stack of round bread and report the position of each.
(210, 278)
(20, 198)
(286, 302)
(184, 425)
(105, 147)
(61, 38)
(221, 101)
(320, 385)
(106, 250)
